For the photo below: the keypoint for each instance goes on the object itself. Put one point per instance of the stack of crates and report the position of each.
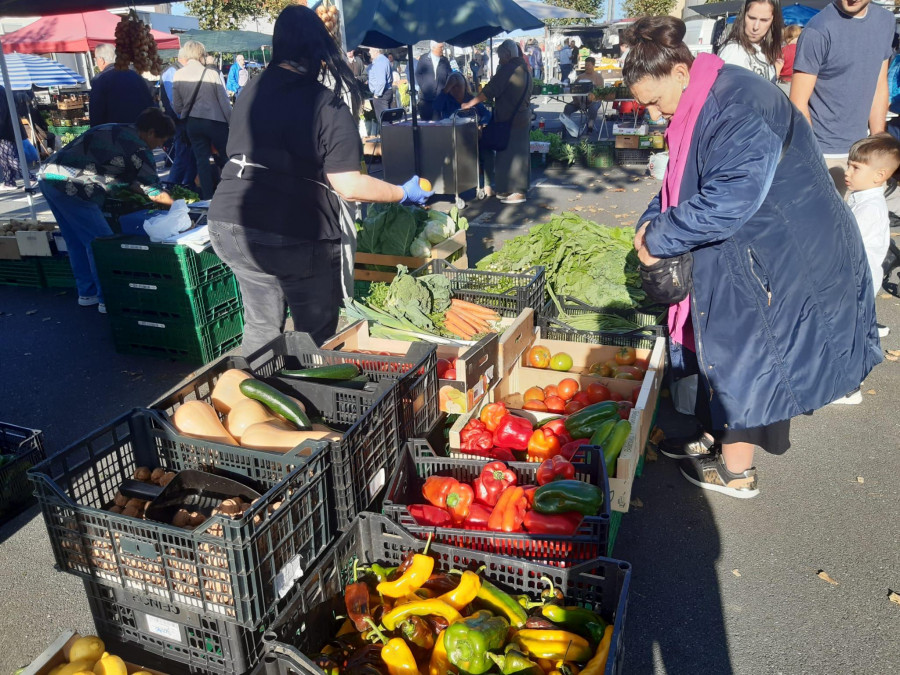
(168, 300)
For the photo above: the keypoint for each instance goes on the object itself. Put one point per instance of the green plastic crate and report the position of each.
(57, 272)
(149, 301)
(135, 259)
(25, 272)
(179, 340)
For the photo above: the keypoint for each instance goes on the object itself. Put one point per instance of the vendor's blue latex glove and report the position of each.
(413, 193)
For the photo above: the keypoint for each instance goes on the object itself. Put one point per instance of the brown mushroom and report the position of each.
(166, 478)
(120, 499)
(156, 474)
(142, 473)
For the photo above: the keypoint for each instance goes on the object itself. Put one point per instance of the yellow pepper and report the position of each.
(439, 663)
(420, 608)
(598, 663)
(412, 579)
(398, 658)
(554, 644)
(465, 592)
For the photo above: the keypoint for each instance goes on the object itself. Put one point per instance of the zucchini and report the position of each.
(277, 402)
(339, 371)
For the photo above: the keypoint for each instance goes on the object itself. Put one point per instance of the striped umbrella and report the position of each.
(27, 70)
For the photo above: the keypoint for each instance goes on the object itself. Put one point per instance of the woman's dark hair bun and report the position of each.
(666, 31)
(657, 45)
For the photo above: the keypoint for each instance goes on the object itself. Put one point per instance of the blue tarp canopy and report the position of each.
(794, 15)
(395, 23)
(29, 70)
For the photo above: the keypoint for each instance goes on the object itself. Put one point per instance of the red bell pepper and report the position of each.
(513, 432)
(478, 517)
(529, 494)
(542, 445)
(494, 479)
(492, 414)
(475, 436)
(426, 514)
(449, 493)
(558, 427)
(558, 524)
(555, 468)
(502, 454)
(569, 449)
(509, 513)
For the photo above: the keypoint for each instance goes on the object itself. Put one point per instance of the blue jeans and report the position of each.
(205, 134)
(184, 164)
(564, 71)
(80, 222)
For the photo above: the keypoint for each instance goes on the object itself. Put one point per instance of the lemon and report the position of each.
(110, 665)
(142, 672)
(74, 667)
(425, 184)
(89, 648)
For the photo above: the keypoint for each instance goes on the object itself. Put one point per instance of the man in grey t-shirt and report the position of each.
(840, 77)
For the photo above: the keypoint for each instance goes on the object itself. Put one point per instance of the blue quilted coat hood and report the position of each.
(782, 303)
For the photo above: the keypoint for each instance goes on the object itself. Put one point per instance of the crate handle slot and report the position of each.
(141, 549)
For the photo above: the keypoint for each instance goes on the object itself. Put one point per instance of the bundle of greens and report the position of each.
(584, 260)
(392, 229)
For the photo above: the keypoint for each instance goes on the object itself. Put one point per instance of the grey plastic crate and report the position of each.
(20, 450)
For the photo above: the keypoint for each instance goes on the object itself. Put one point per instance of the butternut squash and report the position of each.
(276, 437)
(244, 414)
(227, 391)
(199, 420)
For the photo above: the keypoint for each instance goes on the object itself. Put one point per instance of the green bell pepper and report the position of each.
(514, 662)
(589, 417)
(578, 620)
(565, 496)
(468, 641)
(614, 444)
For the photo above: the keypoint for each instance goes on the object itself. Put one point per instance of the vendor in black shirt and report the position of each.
(294, 154)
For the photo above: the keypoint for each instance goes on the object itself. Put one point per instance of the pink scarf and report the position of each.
(681, 128)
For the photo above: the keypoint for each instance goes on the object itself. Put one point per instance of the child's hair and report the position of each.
(882, 150)
(791, 32)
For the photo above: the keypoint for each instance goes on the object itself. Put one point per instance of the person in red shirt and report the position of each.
(788, 53)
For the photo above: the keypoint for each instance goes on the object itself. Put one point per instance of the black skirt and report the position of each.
(773, 438)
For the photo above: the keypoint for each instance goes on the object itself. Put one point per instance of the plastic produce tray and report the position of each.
(196, 305)
(600, 584)
(57, 272)
(553, 328)
(21, 273)
(180, 339)
(137, 259)
(24, 448)
(420, 462)
(365, 457)
(240, 575)
(506, 293)
(633, 156)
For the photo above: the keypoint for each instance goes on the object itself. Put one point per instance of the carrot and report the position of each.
(474, 324)
(475, 309)
(486, 314)
(452, 325)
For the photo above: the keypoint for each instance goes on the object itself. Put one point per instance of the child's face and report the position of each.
(861, 176)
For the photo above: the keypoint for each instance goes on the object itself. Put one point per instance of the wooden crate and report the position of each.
(452, 250)
(57, 652)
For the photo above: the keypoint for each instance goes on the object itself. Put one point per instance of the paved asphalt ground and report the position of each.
(720, 585)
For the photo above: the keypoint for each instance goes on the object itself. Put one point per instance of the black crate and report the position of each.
(20, 450)
(652, 315)
(633, 156)
(600, 584)
(370, 420)
(240, 570)
(419, 462)
(169, 638)
(415, 373)
(509, 294)
(649, 318)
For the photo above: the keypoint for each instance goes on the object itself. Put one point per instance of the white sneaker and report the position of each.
(88, 300)
(853, 398)
(883, 331)
(101, 307)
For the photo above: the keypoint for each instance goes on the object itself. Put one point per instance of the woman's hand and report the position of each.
(643, 254)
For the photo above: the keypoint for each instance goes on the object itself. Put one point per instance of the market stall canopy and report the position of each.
(394, 23)
(73, 33)
(228, 40)
(798, 15)
(734, 6)
(544, 11)
(27, 71)
(46, 7)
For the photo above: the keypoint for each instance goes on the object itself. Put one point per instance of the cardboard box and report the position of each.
(35, 243)
(628, 142)
(9, 248)
(56, 653)
(645, 142)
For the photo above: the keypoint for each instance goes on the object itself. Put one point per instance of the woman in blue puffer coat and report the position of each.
(780, 320)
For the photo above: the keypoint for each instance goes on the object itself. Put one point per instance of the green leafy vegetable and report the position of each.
(390, 229)
(410, 300)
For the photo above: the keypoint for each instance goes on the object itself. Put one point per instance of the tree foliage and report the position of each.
(592, 7)
(638, 8)
(230, 14)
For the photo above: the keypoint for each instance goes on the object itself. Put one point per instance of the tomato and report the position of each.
(625, 356)
(615, 396)
(550, 390)
(574, 406)
(625, 409)
(625, 376)
(636, 373)
(600, 370)
(583, 398)
(534, 394)
(539, 357)
(536, 406)
(634, 395)
(443, 365)
(555, 404)
(596, 392)
(449, 374)
(557, 426)
(643, 364)
(613, 367)
(561, 361)
(567, 389)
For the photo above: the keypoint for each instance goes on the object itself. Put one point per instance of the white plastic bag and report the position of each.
(164, 225)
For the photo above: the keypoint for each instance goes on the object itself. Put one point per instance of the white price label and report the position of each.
(143, 287)
(376, 484)
(288, 576)
(150, 324)
(136, 247)
(164, 628)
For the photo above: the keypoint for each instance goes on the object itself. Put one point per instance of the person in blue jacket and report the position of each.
(781, 318)
(237, 77)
